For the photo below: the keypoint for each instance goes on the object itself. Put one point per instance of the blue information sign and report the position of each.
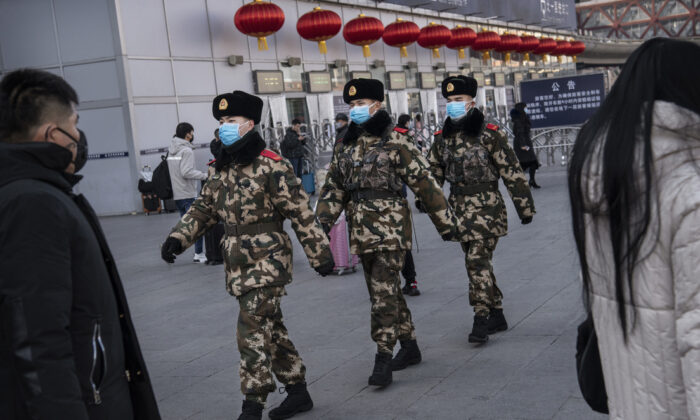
(564, 100)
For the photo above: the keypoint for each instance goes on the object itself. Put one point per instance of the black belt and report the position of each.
(366, 194)
(252, 229)
(474, 188)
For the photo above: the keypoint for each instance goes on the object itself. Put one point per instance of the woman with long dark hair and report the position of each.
(634, 184)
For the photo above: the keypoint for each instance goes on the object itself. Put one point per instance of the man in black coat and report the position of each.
(522, 144)
(68, 349)
(293, 146)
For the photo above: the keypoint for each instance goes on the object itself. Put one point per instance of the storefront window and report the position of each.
(379, 73)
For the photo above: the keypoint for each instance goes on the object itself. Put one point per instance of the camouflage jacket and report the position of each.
(265, 191)
(373, 159)
(472, 157)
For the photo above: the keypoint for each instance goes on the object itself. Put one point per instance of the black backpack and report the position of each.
(162, 185)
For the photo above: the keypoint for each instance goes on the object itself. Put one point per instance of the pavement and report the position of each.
(186, 323)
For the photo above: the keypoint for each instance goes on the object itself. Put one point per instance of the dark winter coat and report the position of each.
(521, 130)
(68, 349)
(341, 132)
(292, 147)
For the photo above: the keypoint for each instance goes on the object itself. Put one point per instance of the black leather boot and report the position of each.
(408, 355)
(298, 400)
(251, 411)
(497, 321)
(381, 375)
(479, 332)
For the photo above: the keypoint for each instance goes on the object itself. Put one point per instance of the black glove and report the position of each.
(325, 269)
(170, 248)
(526, 220)
(326, 229)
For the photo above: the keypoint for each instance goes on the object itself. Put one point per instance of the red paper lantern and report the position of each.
(509, 43)
(577, 47)
(363, 31)
(485, 41)
(561, 49)
(461, 39)
(259, 19)
(528, 44)
(546, 46)
(401, 34)
(434, 37)
(319, 25)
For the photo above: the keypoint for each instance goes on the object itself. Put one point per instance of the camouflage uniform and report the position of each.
(252, 201)
(473, 165)
(365, 179)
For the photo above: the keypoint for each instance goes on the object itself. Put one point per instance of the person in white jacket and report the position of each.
(634, 185)
(185, 177)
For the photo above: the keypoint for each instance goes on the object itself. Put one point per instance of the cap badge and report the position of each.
(352, 91)
(450, 87)
(223, 104)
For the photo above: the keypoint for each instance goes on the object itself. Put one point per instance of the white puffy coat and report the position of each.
(656, 375)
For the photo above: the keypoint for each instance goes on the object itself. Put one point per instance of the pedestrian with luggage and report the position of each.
(472, 156)
(68, 348)
(185, 177)
(368, 168)
(293, 146)
(251, 192)
(522, 143)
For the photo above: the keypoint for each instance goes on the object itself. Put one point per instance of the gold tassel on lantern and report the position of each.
(574, 58)
(262, 44)
(322, 47)
(507, 57)
(487, 57)
(404, 51)
(527, 57)
(461, 53)
(436, 52)
(366, 51)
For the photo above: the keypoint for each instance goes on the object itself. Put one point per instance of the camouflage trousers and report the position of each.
(484, 294)
(391, 318)
(264, 344)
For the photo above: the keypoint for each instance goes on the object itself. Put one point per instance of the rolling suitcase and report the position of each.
(151, 203)
(340, 247)
(308, 178)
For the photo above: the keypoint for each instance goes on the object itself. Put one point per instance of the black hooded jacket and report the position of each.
(68, 349)
(521, 131)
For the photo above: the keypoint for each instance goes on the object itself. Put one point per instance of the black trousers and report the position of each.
(409, 268)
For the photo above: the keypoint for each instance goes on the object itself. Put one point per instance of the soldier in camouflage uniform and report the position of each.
(252, 191)
(368, 168)
(472, 156)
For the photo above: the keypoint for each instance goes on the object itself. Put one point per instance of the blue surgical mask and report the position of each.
(360, 114)
(229, 133)
(456, 110)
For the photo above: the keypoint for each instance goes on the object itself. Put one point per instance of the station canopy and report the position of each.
(555, 14)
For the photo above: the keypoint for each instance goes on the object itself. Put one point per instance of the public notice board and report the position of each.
(562, 101)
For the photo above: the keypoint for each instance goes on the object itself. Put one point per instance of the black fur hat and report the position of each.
(363, 89)
(237, 103)
(459, 85)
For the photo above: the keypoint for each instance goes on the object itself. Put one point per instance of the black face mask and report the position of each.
(81, 155)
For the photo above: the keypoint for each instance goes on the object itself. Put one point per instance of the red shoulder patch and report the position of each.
(437, 133)
(400, 130)
(270, 154)
(493, 127)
